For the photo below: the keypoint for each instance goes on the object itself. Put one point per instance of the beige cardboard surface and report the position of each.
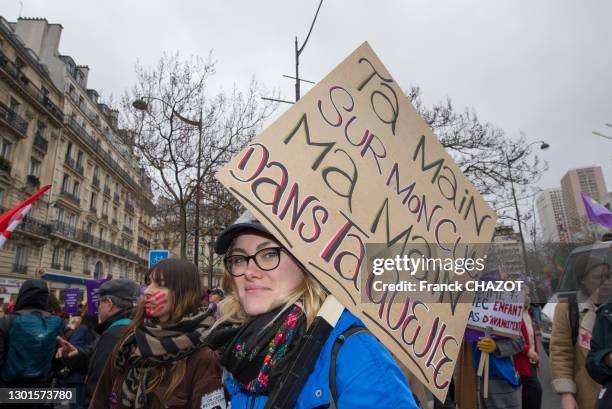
(352, 163)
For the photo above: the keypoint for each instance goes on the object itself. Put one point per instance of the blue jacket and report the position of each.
(366, 376)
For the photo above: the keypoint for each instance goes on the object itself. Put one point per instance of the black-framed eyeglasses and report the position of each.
(99, 300)
(266, 259)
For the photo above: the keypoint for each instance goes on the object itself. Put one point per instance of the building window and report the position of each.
(34, 168)
(55, 259)
(68, 260)
(60, 215)
(14, 105)
(105, 208)
(20, 260)
(40, 130)
(79, 160)
(5, 148)
(189, 249)
(65, 183)
(69, 151)
(86, 263)
(76, 191)
(97, 172)
(94, 197)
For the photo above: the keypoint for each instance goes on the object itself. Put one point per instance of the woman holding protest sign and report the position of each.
(162, 360)
(271, 301)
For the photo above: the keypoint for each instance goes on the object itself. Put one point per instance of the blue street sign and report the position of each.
(155, 256)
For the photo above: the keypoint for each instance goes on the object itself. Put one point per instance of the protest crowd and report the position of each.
(179, 345)
(296, 321)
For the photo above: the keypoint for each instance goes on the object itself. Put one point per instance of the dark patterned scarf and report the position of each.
(152, 345)
(259, 352)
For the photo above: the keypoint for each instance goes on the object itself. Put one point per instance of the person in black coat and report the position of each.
(599, 359)
(116, 302)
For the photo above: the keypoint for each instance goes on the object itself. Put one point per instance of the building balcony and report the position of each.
(127, 230)
(32, 225)
(93, 210)
(20, 268)
(104, 217)
(107, 191)
(82, 236)
(65, 230)
(115, 222)
(70, 197)
(33, 181)
(5, 164)
(116, 197)
(67, 268)
(41, 143)
(55, 265)
(70, 162)
(87, 271)
(14, 122)
(40, 98)
(97, 148)
(95, 182)
(129, 208)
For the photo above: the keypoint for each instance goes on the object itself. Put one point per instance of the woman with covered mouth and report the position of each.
(163, 360)
(270, 303)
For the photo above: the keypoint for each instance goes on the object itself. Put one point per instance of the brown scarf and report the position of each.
(152, 345)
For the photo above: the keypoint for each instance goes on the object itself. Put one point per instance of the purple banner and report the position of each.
(72, 301)
(92, 285)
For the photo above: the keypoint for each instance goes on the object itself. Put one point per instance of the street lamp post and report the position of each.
(142, 105)
(543, 146)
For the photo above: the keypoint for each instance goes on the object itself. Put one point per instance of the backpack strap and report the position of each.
(332, 364)
(574, 317)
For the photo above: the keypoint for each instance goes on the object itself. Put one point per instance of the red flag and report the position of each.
(11, 219)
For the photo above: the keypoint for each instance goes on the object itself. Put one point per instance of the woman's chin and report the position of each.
(255, 307)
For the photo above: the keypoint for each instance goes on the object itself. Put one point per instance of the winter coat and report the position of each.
(366, 376)
(568, 361)
(202, 380)
(521, 361)
(601, 346)
(92, 359)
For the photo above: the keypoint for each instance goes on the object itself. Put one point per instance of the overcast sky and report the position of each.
(542, 67)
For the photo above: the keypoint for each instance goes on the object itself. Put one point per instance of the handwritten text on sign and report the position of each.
(500, 310)
(352, 163)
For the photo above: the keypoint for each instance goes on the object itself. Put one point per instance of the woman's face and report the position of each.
(157, 301)
(261, 291)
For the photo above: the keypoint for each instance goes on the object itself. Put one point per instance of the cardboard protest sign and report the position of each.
(350, 164)
(502, 311)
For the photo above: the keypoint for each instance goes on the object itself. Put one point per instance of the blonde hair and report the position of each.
(310, 294)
